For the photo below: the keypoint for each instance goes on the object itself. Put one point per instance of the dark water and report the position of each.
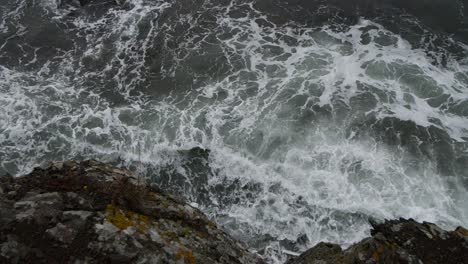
(317, 114)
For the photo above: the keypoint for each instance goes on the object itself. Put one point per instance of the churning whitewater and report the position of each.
(313, 126)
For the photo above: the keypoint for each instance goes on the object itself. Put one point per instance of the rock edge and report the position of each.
(90, 212)
(396, 241)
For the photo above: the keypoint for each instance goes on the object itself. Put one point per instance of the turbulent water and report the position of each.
(318, 114)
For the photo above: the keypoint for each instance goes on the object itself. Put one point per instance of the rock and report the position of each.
(90, 212)
(12, 250)
(62, 233)
(11, 194)
(6, 211)
(396, 241)
(462, 231)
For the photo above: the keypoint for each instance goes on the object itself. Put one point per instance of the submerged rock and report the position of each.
(90, 212)
(396, 241)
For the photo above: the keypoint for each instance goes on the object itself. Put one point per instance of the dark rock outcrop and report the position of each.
(396, 241)
(90, 212)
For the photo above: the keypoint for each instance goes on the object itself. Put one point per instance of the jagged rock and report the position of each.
(396, 241)
(90, 212)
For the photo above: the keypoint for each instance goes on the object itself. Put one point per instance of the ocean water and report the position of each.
(317, 115)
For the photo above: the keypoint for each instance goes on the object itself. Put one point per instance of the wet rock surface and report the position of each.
(90, 212)
(396, 241)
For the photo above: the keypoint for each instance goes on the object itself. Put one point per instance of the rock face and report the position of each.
(397, 241)
(89, 212)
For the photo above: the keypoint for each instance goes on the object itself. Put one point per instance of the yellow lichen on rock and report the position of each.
(212, 225)
(462, 231)
(153, 195)
(187, 256)
(186, 232)
(124, 219)
(170, 236)
(376, 254)
(142, 222)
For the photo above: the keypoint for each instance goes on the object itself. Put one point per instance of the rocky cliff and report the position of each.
(89, 212)
(396, 241)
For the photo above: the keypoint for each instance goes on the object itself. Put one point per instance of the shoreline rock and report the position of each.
(395, 241)
(90, 212)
